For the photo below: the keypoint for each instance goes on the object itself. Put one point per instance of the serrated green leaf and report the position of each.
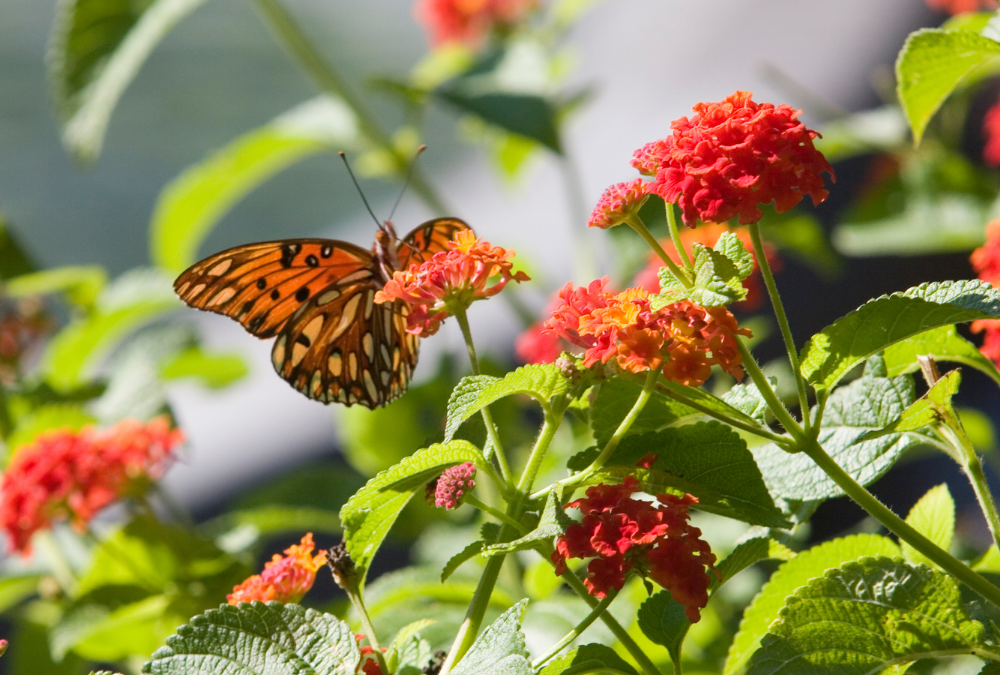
(542, 382)
(81, 284)
(926, 410)
(714, 464)
(592, 658)
(369, 514)
(194, 202)
(500, 649)
(258, 639)
(886, 611)
(47, 418)
(746, 398)
(466, 554)
(933, 63)
(868, 404)
(934, 517)
(748, 553)
(764, 608)
(553, 522)
(214, 370)
(96, 50)
(406, 649)
(718, 275)
(731, 246)
(892, 318)
(943, 344)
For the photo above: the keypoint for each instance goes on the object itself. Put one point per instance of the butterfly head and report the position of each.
(384, 249)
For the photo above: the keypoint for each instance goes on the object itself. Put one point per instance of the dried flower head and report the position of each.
(469, 21)
(619, 203)
(624, 535)
(732, 156)
(453, 485)
(683, 340)
(450, 281)
(285, 578)
(69, 475)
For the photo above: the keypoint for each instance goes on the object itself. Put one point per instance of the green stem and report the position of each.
(471, 500)
(773, 402)
(366, 625)
(756, 430)
(623, 428)
(640, 227)
(577, 630)
(779, 313)
(491, 430)
(675, 236)
(899, 527)
(973, 467)
(295, 41)
(469, 629)
(123, 558)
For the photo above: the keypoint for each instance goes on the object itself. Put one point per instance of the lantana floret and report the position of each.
(286, 578)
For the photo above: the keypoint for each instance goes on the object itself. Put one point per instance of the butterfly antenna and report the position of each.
(409, 174)
(355, 181)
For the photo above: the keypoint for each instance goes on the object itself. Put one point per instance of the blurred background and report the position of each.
(220, 73)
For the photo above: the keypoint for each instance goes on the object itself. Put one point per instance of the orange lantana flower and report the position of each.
(285, 578)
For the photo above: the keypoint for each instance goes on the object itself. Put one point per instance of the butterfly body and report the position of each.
(317, 297)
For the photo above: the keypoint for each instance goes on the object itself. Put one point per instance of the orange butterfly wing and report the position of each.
(427, 239)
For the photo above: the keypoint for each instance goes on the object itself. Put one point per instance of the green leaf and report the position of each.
(991, 668)
(749, 553)
(943, 344)
(96, 50)
(542, 382)
(713, 463)
(764, 608)
(133, 300)
(81, 284)
(882, 129)
(369, 514)
(259, 639)
(16, 589)
(47, 418)
(718, 275)
(866, 405)
(592, 658)
(746, 398)
(926, 410)
(466, 554)
(553, 522)
(500, 649)
(214, 370)
(892, 318)
(104, 634)
(194, 202)
(886, 612)
(933, 63)
(934, 517)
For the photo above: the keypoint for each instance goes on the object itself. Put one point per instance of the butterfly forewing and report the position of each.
(427, 239)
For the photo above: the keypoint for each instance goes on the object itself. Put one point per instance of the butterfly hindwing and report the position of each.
(427, 239)
(262, 285)
(347, 350)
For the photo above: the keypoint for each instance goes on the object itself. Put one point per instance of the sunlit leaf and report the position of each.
(934, 517)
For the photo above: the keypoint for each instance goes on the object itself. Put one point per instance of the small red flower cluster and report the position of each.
(991, 132)
(623, 534)
(69, 475)
(369, 664)
(707, 235)
(986, 262)
(453, 484)
(468, 21)
(961, 6)
(285, 579)
(682, 339)
(732, 156)
(450, 281)
(618, 204)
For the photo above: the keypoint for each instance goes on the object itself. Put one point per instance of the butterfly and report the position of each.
(317, 296)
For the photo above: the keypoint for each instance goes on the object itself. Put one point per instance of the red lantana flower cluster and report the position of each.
(986, 262)
(285, 578)
(623, 535)
(450, 281)
(618, 204)
(468, 21)
(707, 235)
(732, 156)
(682, 339)
(72, 475)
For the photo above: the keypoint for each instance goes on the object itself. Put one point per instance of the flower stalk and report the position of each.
(675, 237)
(640, 227)
(598, 609)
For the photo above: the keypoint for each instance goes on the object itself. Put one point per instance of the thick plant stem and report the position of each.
(705, 410)
(899, 527)
(773, 402)
(491, 429)
(675, 236)
(625, 425)
(577, 630)
(295, 41)
(779, 313)
(640, 227)
(366, 624)
(469, 629)
(954, 432)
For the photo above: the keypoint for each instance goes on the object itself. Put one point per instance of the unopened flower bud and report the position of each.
(454, 484)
